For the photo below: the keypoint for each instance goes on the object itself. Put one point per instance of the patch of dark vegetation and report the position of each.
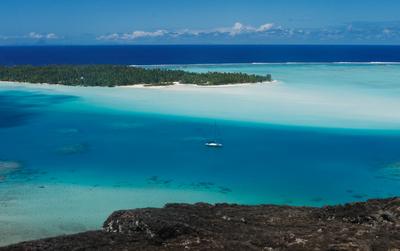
(119, 75)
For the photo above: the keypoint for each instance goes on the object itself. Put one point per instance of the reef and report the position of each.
(371, 225)
(200, 186)
(73, 149)
(7, 168)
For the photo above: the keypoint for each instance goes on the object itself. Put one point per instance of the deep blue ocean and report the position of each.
(196, 54)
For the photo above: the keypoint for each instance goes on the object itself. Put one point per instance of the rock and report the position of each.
(371, 225)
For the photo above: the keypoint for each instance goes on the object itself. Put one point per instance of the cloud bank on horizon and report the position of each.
(32, 36)
(358, 32)
(236, 29)
(267, 33)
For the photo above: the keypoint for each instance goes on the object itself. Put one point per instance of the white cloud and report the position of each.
(188, 32)
(386, 31)
(51, 36)
(239, 28)
(265, 27)
(31, 36)
(134, 35)
(236, 29)
(139, 34)
(269, 32)
(113, 36)
(35, 35)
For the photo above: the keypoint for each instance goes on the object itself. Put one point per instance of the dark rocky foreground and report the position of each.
(372, 225)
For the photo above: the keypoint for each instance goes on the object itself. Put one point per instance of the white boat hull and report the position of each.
(213, 144)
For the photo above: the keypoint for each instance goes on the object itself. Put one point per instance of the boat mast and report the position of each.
(215, 130)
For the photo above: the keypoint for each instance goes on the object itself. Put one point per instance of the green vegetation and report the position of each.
(117, 75)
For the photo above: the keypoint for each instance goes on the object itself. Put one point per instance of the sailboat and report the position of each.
(214, 143)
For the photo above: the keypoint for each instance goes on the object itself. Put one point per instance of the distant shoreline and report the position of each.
(275, 63)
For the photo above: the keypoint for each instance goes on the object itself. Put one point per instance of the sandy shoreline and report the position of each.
(288, 102)
(141, 86)
(178, 85)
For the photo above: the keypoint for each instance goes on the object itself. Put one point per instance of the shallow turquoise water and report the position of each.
(85, 152)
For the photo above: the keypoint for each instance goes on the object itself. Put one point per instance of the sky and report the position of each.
(71, 22)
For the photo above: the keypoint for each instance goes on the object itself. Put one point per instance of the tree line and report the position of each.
(118, 75)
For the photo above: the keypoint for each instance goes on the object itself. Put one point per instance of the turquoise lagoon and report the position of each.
(321, 134)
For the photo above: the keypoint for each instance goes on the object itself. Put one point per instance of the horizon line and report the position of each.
(194, 44)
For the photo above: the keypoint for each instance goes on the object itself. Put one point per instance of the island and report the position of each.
(371, 225)
(120, 75)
